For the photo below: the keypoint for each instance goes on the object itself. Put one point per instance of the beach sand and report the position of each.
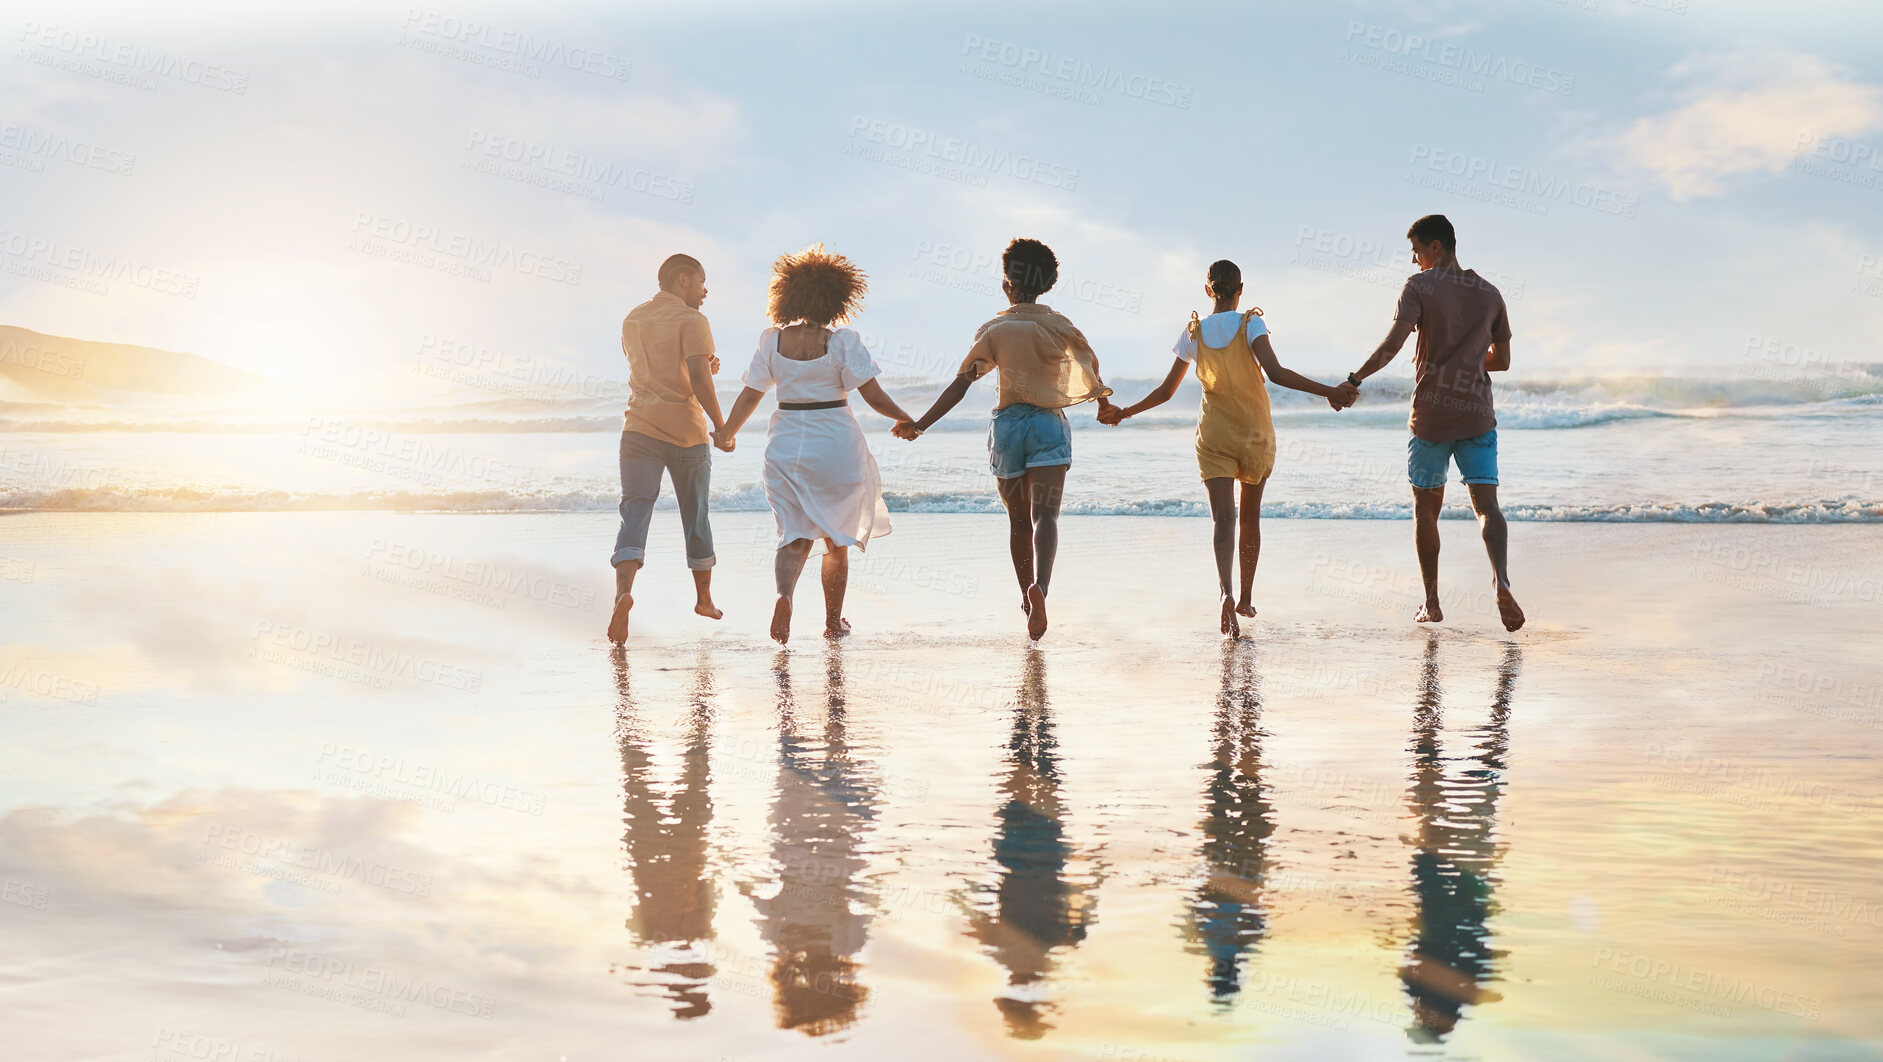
(342, 785)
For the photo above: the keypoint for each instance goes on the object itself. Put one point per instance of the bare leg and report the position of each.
(1497, 544)
(1045, 488)
(1222, 494)
(1251, 544)
(1426, 503)
(786, 568)
(836, 580)
(1013, 495)
(624, 600)
(703, 594)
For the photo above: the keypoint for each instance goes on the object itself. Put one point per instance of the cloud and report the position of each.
(1743, 114)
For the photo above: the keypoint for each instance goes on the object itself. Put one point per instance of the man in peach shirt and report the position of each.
(671, 363)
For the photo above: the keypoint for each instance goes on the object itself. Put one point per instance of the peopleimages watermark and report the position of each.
(964, 269)
(1837, 159)
(318, 859)
(1708, 990)
(191, 1045)
(1044, 71)
(23, 894)
(1384, 263)
(354, 660)
(414, 458)
(572, 172)
(510, 51)
(87, 269)
(50, 362)
(1782, 359)
(42, 683)
(480, 582)
(1517, 187)
(1779, 900)
(122, 61)
(352, 763)
(1447, 62)
(369, 987)
(456, 253)
(463, 362)
(1749, 784)
(949, 157)
(25, 148)
(1865, 284)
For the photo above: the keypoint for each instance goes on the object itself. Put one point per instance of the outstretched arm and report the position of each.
(1159, 395)
(700, 375)
(949, 398)
(1387, 350)
(1281, 374)
(742, 408)
(880, 401)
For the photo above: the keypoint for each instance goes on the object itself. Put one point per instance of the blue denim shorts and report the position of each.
(1023, 437)
(1426, 462)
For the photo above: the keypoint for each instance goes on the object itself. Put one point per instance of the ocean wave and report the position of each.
(1521, 406)
(751, 498)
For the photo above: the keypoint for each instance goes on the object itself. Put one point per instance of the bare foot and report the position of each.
(1430, 612)
(704, 607)
(839, 629)
(1035, 612)
(781, 620)
(1231, 629)
(1246, 609)
(1507, 609)
(618, 622)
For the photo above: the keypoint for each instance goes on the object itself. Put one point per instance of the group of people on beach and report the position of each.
(823, 483)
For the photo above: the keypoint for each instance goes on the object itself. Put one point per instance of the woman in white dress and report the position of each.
(819, 476)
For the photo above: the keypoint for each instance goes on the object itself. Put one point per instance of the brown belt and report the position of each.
(836, 404)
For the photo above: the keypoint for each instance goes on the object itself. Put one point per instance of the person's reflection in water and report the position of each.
(666, 842)
(1226, 918)
(1037, 909)
(824, 803)
(1454, 871)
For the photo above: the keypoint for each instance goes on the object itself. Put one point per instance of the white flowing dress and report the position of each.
(820, 478)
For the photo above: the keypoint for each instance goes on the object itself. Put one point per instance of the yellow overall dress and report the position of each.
(1235, 437)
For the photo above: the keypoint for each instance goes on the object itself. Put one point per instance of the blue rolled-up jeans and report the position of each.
(643, 458)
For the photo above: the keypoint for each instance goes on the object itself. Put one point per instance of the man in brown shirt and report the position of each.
(671, 363)
(1464, 336)
(1045, 366)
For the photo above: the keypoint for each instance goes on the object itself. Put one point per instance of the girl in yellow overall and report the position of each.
(1235, 438)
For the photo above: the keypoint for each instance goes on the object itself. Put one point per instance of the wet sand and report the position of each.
(329, 786)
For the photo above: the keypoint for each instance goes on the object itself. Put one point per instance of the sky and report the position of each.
(325, 194)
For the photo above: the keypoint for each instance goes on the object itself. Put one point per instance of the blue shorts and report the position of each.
(1023, 437)
(1477, 460)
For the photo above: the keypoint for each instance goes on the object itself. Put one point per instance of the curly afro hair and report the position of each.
(816, 287)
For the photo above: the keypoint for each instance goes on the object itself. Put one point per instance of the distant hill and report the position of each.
(61, 369)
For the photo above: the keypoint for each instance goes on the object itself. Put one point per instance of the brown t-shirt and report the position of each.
(1043, 360)
(1458, 315)
(659, 337)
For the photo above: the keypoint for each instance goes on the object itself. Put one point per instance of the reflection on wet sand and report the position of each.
(817, 920)
(1454, 870)
(1225, 915)
(666, 845)
(1037, 908)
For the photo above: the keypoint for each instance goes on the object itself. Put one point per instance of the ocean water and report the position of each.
(1745, 447)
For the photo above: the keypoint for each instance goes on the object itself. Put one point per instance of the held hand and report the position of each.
(712, 366)
(1111, 416)
(723, 441)
(906, 429)
(1344, 395)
